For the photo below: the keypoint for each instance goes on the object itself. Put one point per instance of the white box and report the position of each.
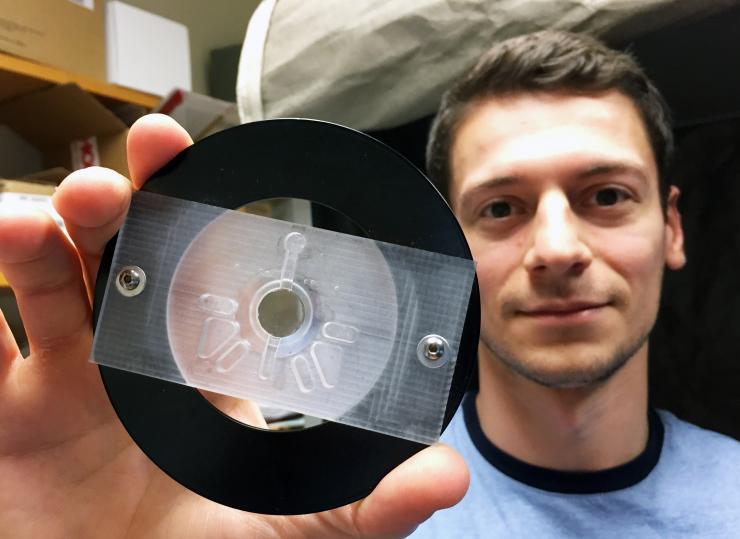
(199, 114)
(145, 51)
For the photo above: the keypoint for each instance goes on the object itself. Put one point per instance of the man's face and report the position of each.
(558, 197)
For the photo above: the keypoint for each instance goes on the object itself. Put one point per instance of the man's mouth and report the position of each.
(564, 311)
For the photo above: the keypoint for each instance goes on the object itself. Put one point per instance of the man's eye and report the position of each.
(499, 210)
(609, 197)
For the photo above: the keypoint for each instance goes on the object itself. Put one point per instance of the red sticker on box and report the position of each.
(85, 153)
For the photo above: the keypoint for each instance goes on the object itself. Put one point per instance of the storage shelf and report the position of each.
(19, 76)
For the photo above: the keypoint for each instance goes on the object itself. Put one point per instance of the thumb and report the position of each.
(153, 140)
(435, 478)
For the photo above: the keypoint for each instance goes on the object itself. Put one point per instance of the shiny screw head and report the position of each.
(131, 281)
(434, 347)
(433, 351)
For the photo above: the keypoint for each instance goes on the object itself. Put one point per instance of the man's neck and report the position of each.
(579, 429)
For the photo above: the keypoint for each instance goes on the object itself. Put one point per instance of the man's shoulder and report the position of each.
(680, 431)
(703, 454)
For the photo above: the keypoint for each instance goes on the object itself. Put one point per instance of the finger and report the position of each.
(433, 479)
(9, 350)
(44, 271)
(93, 203)
(153, 140)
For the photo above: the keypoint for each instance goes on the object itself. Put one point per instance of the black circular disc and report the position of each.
(332, 464)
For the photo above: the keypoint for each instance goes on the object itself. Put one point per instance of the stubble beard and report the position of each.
(600, 369)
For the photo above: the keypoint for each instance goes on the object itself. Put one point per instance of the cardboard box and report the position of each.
(69, 127)
(68, 34)
(17, 156)
(199, 114)
(145, 51)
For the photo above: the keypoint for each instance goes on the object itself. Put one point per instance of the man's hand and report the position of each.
(67, 466)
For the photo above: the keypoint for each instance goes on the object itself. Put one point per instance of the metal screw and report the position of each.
(131, 281)
(433, 350)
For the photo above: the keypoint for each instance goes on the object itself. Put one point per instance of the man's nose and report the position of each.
(557, 247)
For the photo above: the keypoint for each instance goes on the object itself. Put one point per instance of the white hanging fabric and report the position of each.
(374, 64)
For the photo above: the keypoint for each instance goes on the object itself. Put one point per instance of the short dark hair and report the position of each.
(549, 61)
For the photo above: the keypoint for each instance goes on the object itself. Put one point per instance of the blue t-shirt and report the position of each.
(686, 483)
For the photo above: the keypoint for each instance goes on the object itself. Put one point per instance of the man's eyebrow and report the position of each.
(612, 168)
(491, 183)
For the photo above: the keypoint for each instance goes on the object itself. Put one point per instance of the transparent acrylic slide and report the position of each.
(331, 325)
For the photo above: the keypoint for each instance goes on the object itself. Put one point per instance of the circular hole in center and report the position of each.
(281, 313)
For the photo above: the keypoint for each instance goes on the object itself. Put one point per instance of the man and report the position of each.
(553, 152)
(557, 191)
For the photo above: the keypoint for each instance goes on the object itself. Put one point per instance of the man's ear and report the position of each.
(675, 257)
